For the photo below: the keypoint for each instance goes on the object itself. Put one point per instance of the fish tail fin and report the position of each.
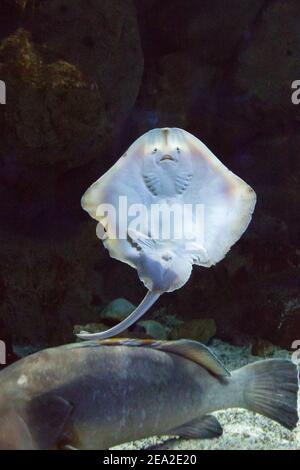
(149, 299)
(271, 389)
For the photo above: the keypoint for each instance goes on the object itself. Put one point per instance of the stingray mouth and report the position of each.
(168, 158)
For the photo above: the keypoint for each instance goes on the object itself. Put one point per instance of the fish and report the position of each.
(172, 171)
(99, 394)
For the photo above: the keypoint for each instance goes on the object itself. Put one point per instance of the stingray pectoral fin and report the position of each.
(149, 299)
(206, 427)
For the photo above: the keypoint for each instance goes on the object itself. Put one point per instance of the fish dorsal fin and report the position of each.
(196, 352)
(191, 350)
(113, 342)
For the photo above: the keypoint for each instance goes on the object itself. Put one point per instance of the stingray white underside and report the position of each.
(167, 166)
(227, 200)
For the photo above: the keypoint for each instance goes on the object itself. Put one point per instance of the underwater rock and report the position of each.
(209, 31)
(154, 329)
(194, 70)
(11, 14)
(20, 4)
(277, 179)
(270, 314)
(263, 347)
(164, 316)
(72, 74)
(45, 105)
(103, 40)
(276, 40)
(117, 310)
(47, 286)
(64, 72)
(170, 88)
(201, 330)
(214, 34)
(290, 324)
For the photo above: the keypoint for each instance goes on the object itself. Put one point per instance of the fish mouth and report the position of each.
(167, 158)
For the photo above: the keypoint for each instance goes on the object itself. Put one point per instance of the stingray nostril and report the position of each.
(166, 257)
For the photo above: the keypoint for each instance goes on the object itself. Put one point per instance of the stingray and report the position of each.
(167, 168)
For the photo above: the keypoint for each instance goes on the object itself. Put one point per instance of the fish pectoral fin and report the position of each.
(206, 427)
(48, 415)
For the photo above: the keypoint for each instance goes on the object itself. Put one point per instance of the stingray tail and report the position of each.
(149, 299)
(271, 389)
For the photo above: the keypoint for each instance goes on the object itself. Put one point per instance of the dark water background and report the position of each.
(84, 80)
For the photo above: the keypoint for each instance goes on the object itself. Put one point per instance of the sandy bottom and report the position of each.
(242, 429)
